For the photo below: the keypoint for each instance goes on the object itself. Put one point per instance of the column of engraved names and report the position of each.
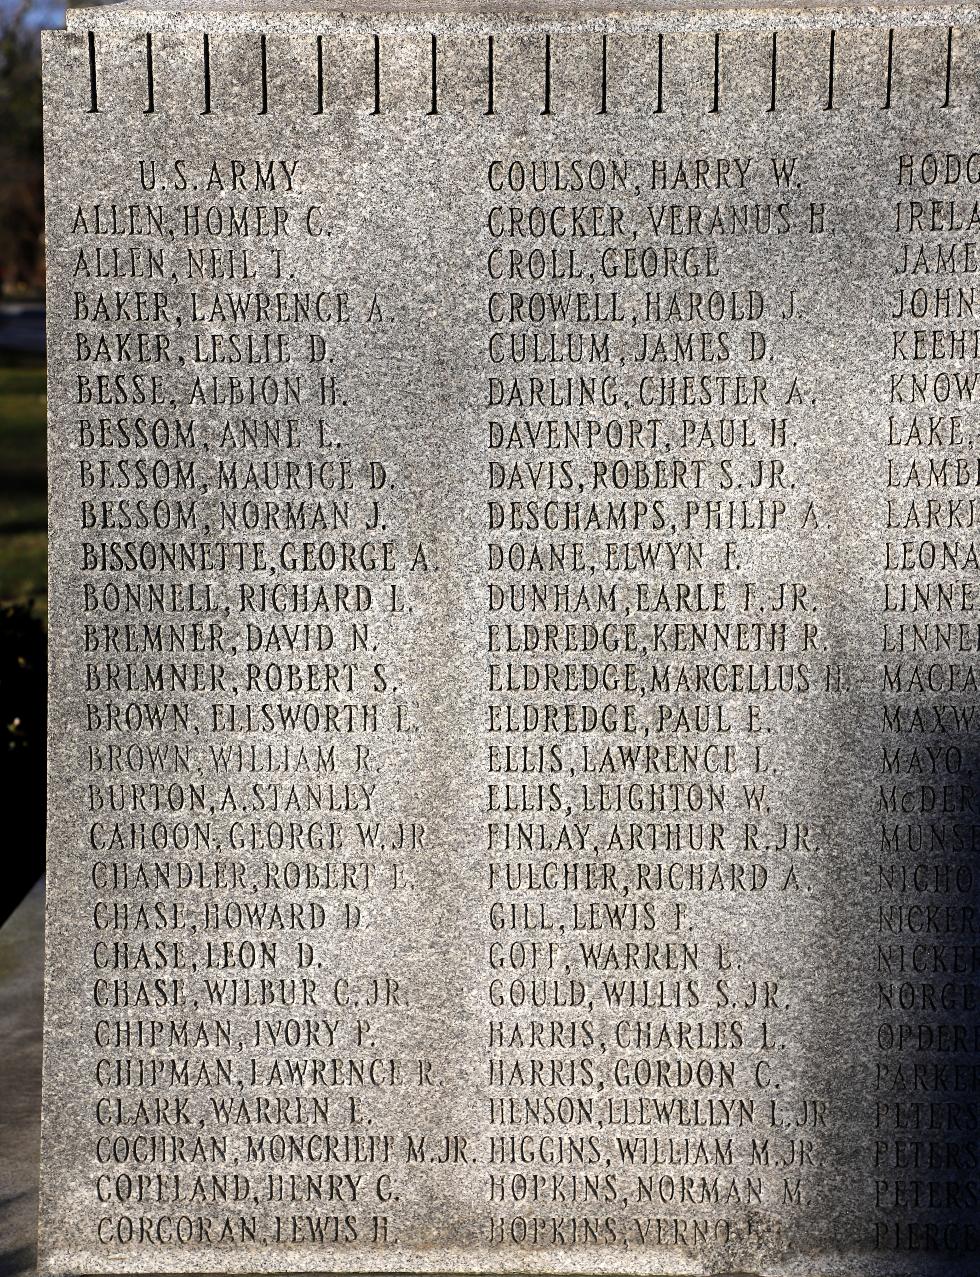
(237, 571)
(924, 959)
(650, 626)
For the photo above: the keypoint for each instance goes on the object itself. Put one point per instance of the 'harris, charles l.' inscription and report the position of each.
(514, 642)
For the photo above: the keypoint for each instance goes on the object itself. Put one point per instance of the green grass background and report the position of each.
(23, 484)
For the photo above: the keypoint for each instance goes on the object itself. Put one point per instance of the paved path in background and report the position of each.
(21, 985)
(22, 327)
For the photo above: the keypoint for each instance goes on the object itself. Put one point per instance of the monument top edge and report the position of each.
(128, 15)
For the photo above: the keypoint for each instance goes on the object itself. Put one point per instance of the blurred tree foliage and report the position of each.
(21, 175)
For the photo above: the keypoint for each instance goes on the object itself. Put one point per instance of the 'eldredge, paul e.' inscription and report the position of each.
(515, 637)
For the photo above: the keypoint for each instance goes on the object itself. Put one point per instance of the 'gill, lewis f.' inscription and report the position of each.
(514, 643)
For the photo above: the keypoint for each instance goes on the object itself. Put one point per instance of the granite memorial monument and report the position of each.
(515, 640)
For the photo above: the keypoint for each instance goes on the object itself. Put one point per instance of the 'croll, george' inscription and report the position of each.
(515, 637)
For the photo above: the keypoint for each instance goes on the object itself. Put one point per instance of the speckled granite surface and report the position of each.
(513, 793)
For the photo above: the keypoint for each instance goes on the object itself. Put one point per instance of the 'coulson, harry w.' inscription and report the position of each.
(514, 641)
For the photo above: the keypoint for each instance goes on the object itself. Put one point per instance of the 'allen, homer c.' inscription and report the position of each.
(514, 642)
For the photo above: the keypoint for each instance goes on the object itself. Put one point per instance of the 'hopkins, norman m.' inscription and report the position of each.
(514, 629)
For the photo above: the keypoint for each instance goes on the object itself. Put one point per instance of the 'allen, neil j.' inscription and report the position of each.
(514, 642)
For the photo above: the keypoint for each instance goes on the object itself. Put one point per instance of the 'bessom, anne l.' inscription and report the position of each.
(513, 615)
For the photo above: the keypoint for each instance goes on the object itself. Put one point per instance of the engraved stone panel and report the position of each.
(514, 641)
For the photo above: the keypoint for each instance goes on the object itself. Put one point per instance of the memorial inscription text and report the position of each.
(514, 650)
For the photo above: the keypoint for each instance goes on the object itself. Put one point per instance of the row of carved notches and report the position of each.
(658, 105)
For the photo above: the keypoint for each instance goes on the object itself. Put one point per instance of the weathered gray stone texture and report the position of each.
(280, 677)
